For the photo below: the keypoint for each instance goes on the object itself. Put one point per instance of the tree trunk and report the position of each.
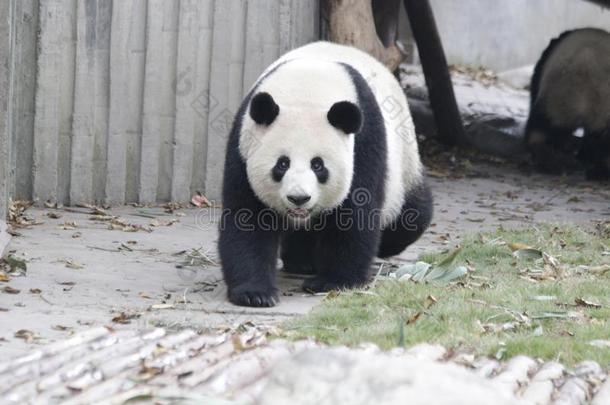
(351, 22)
(436, 71)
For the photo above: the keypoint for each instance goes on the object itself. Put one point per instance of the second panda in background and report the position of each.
(570, 105)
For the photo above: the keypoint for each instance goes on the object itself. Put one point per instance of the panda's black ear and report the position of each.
(345, 116)
(263, 109)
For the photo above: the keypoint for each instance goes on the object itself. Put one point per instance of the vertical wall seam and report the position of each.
(143, 92)
(206, 147)
(71, 136)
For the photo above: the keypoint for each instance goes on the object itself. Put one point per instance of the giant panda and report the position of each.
(322, 166)
(570, 104)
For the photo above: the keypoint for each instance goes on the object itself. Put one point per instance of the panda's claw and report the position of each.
(254, 298)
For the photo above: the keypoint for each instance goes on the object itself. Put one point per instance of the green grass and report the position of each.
(495, 293)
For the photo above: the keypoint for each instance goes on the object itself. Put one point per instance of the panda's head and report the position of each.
(300, 156)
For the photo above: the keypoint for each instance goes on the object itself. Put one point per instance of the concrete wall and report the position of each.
(121, 101)
(505, 34)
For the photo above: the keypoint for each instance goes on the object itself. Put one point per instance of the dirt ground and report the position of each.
(81, 274)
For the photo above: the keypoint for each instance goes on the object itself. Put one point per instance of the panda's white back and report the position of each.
(405, 170)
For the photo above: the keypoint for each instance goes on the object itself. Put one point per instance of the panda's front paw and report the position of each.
(324, 284)
(598, 173)
(254, 297)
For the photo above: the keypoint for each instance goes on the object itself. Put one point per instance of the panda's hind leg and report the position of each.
(297, 252)
(549, 145)
(414, 219)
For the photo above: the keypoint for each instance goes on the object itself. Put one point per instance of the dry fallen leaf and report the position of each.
(430, 301)
(476, 220)
(551, 261)
(581, 302)
(125, 318)
(413, 318)
(146, 373)
(160, 222)
(68, 226)
(518, 246)
(35, 290)
(120, 224)
(10, 290)
(4, 277)
(199, 200)
(17, 217)
(599, 270)
(73, 264)
(101, 218)
(27, 335)
(54, 215)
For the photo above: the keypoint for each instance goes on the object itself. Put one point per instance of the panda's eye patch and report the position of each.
(281, 166)
(317, 164)
(321, 172)
(283, 163)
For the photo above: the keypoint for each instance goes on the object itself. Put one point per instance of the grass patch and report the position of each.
(505, 305)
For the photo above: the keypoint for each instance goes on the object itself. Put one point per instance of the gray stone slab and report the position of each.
(226, 86)
(54, 100)
(127, 59)
(159, 101)
(24, 32)
(192, 93)
(91, 98)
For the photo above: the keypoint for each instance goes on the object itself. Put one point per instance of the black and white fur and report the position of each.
(570, 104)
(322, 164)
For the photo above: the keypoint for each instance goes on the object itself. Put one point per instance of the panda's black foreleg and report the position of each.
(414, 219)
(343, 256)
(598, 169)
(544, 156)
(249, 256)
(547, 144)
(595, 155)
(297, 252)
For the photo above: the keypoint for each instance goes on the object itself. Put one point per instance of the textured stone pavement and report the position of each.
(103, 366)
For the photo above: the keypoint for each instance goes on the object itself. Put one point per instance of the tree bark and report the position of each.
(351, 22)
(385, 14)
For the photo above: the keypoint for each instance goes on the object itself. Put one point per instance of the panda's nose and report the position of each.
(298, 200)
